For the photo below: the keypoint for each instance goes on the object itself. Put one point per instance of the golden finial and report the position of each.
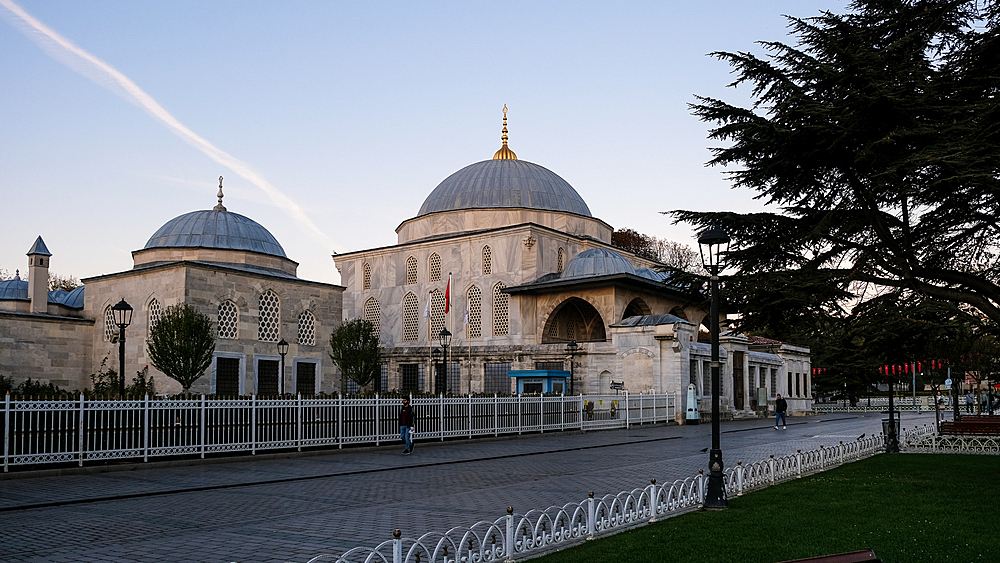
(219, 206)
(504, 153)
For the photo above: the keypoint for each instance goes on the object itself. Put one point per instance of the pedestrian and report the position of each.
(406, 426)
(780, 406)
(968, 401)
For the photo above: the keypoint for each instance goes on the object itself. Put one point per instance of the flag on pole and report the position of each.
(427, 309)
(447, 296)
(466, 312)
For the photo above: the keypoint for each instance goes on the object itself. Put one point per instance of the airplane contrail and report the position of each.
(104, 74)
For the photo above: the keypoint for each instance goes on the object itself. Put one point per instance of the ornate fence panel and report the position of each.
(80, 430)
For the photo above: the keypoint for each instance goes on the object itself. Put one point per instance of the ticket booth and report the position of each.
(541, 380)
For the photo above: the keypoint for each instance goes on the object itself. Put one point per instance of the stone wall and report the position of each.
(46, 348)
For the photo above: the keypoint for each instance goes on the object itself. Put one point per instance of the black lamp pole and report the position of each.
(713, 244)
(122, 313)
(445, 338)
(282, 350)
(572, 348)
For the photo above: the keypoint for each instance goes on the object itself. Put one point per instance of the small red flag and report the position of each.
(447, 296)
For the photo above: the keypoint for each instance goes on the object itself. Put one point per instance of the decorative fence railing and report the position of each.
(878, 404)
(36, 432)
(520, 536)
(934, 442)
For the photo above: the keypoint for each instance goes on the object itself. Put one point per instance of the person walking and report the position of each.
(406, 426)
(780, 406)
(968, 402)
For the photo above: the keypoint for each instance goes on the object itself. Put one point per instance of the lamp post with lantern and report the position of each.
(121, 312)
(282, 350)
(713, 243)
(572, 348)
(445, 339)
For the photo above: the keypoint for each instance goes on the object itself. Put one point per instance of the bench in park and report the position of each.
(973, 425)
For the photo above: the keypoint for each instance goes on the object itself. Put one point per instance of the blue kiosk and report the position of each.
(540, 380)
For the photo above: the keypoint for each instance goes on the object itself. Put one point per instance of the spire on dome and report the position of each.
(504, 153)
(219, 206)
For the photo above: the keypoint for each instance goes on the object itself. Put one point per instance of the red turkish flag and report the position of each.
(447, 296)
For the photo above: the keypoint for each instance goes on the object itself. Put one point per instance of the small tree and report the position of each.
(181, 344)
(356, 352)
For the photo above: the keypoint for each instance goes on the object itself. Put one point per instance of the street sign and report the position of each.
(617, 385)
(947, 383)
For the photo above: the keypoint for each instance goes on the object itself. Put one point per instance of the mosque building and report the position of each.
(504, 255)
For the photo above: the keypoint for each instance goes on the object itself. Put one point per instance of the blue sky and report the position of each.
(332, 121)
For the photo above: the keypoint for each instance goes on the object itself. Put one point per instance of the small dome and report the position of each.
(215, 228)
(14, 289)
(72, 298)
(504, 183)
(649, 274)
(597, 262)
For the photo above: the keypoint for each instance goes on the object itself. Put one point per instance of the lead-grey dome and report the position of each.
(597, 262)
(504, 183)
(213, 228)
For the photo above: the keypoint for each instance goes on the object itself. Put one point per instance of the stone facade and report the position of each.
(47, 348)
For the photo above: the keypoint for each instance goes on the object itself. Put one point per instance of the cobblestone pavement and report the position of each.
(290, 509)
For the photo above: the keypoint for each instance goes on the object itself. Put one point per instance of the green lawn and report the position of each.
(908, 508)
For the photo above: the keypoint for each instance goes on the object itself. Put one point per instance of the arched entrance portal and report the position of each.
(574, 319)
(637, 307)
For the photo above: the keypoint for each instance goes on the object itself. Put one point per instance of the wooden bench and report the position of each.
(971, 428)
(852, 557)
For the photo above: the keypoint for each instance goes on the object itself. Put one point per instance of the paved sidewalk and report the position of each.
(292, 509)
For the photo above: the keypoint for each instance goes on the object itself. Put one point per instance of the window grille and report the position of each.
(227, 376)
(434, 268)
(454, 378)
(693, 375)
(559, 260)
(352, 387)
(384, 377)
(269, 324)
(110, 328)
(774, 381)
(372, 315)
(550, 365)
(706, 378)
(501, 304)
(437, 314)
(307, 329)
(305, 378)
(229, 320)
(495, 378)
(475, 328)
(571, 328)
(788, 389)
(410, 325)
(267, 377)
(554, 329)
(487, 261)
(410, 377)
(798, 383)
(366, 276)
(411, 270)
(154, 315)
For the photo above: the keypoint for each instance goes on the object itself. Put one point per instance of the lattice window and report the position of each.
(366, 276)
(373, 315)
(411, 329)
(554, 329)
(496, 379)
(487, 261)
(559, 260)
(229, 320)
(475, 328)
(501, 310)
(437, 313)
(434, 268)
(154, 315)
(411, 270)
(706, 378)
(307, 328)
(110, 328)
(774, 382)
(269, 326)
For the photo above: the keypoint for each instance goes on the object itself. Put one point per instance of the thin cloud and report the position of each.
(104, 74)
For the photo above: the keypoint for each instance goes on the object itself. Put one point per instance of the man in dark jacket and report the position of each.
(780, 406)
(406, 426)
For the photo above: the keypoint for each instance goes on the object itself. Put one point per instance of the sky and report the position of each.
(332, 121)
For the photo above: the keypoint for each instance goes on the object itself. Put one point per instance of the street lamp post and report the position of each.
(445, 338)
(282, 350)
(122, 314)
(572, 349)
(713, 244)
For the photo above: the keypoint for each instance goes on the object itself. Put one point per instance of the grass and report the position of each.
(909, 508)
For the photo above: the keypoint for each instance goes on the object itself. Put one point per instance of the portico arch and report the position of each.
(574, 319)
(636, 307)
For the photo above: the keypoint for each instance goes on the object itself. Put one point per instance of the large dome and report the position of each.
(504, 182)
(215, 228)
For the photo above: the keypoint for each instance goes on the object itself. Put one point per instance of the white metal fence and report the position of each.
(37, 432)
(518, 536)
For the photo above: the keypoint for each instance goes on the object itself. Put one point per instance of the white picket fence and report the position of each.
(59, 431)
(518, 536)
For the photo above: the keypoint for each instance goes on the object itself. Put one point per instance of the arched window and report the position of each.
(229, 320)
(307, 329)
(501, 310)
(437, 313)
(487, 261)
(411, 330)
(411, 270)
(559, 260)
(434, 268)
(366, 276)
(475, 312)
(269, 325)
(154, 315)
(110, 328)
(373, 315)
